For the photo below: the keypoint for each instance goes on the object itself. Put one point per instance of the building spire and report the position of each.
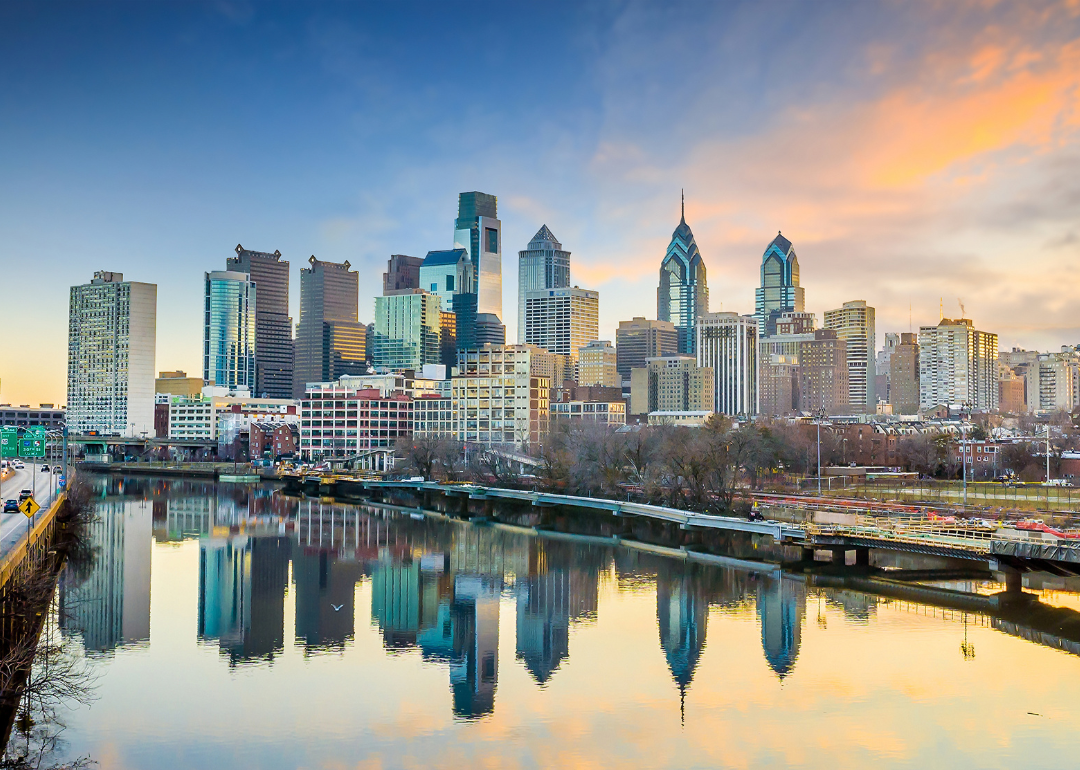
(683, 206)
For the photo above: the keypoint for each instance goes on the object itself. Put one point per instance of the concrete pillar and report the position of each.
(1014, 581)
(839, 556)
(862, 557)
(463, 506)
(807, 554)
(489, 508)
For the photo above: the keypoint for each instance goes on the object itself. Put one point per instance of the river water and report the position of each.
(235, 627)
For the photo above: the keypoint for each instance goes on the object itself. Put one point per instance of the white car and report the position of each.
(18, 465)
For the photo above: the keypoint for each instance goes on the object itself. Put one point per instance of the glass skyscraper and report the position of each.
(229, 330)
(779, 291)
(478, 230)
(407, 328)
(683, 294)
(543, 265)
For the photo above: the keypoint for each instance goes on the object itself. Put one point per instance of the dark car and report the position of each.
(11, 506)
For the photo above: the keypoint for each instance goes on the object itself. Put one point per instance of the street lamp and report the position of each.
(965, 416)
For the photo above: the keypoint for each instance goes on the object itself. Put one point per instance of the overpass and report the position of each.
(1004, 549)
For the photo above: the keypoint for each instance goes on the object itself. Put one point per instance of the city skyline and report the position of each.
(928, 165)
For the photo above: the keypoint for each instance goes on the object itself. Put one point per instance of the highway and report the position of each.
(13, 525)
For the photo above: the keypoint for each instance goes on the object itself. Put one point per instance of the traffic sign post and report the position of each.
(29, 507)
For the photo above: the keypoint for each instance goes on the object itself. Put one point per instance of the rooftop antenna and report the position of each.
(963, 313)
(683, 204)
(941, 308)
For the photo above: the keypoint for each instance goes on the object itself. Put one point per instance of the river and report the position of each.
(227, 626)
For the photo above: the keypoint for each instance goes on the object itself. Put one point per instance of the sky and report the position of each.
(920, 155)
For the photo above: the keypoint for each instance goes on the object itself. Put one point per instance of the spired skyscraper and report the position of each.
(542, 265)
(683, 294)
(779, 291)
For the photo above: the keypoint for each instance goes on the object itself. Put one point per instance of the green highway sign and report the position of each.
(9, 442)
(31, 446)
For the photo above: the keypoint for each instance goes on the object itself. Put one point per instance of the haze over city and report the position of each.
(918, 155)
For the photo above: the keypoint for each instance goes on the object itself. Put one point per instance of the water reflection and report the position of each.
(437, 588)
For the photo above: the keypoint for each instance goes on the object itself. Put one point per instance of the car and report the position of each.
(17, 465)
(25, 494)
(11, 506)
(45, 469)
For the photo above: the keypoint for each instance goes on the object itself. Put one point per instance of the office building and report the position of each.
(273, 325)
(778, 385)
(597, 365)
(229, 302)
(177, 383)
(640, 339)
(44, 416)
(478, 230)
(112, 336)
(883, 369)
(330, 342)
(498, 398)
(854, 323)
(562, 320)
(487, 330)
(602, 412)
(341, 420)
(217, 411)
(447, 338)
(402, 272)
(543, 265)
(957, 366)
(447, 273)
(780, 291)
(683, 294)
(671, 384)
(728, 344)
(904, 375)
(1011, 396)
(408, 327)
(823, 374)
(1025, 365)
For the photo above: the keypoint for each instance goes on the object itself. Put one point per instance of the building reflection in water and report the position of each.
(107, 602)
(435, 587)
(781, 610)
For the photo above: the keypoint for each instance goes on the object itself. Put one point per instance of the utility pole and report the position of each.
(1048, 460)
(821, 416)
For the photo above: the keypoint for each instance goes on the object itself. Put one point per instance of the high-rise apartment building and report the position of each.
(562, 320)
(727, 343)
(408, 327)
(330, 342)
(229, 302)
(112, 337)
(478, 230)
(402, 272)
(683, 294)
(543, 265)
(498, 398)
(778, 385)
(780, 291)
(446, 273)
(597, 365)
(671, 384)
(854, 323)
(640, 339)
(1059, 381)
(823, 373)
(957, 366)
(883, 369)
(904, 375)
(273, 325)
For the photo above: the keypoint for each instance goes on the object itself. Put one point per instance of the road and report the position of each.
(13, 525)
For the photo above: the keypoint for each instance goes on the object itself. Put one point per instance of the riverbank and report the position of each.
(228, 472)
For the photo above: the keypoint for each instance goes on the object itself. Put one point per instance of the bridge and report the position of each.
(1004, 549)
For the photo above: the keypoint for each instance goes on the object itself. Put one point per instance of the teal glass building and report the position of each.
(407, 329)
(683, 294)
(780, 291)
(229, 330)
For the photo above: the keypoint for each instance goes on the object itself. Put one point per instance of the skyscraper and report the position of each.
(402, 272)
(957, 366)
(229, 329)
(683, 294)
(640, 339)
(446, 273)
(779, 291)
(112, 336)
(407, 330)
(562, 320)
(329, 340)
(854, 323)
(728, 344)
(904, 375)
(273, 326)
(479, 231)
(543, 265)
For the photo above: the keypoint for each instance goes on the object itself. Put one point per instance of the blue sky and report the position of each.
(916, 153)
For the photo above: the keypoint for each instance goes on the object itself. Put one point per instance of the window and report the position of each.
(492, 239)
(449, 283)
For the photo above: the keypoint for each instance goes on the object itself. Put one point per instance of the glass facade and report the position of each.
(683, 294)
(478, 230)
(543, 265)
(407, 331)
(779, 291)
(229, 330)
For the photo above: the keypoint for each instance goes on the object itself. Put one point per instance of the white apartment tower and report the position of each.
(727, 343)
(562, 320)
(112, 332)
(854, 324)
(957, 366)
